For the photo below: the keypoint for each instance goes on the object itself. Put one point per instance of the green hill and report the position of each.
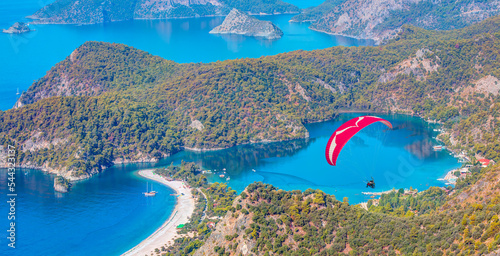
(265, 220)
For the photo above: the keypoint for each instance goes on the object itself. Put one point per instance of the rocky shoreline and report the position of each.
(377, 41)
(203, 149)
(61, 184)
(18, 28)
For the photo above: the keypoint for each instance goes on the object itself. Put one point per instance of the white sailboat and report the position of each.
(150, 193)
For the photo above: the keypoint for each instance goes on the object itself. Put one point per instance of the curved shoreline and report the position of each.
(183, 210)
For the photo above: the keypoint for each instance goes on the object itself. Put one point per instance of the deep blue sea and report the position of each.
(108, 214)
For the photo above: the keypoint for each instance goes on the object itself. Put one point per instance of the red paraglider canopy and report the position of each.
(345, 132)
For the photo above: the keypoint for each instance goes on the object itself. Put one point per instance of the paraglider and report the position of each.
(371, 183)
(345, 132)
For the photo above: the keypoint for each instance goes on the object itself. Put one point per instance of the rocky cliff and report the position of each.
(382, 19)
(242, 24)
(91, 12)
(61, 184)
(230, 225)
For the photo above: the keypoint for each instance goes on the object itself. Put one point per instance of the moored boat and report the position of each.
(150, 193)
(438, 148)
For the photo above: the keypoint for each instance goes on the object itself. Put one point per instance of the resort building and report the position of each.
(484, 162)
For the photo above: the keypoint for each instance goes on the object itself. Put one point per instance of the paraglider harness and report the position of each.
(371, 183)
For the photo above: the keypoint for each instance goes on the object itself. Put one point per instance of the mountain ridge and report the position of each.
(382, 20)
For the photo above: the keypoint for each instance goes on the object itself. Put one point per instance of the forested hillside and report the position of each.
(121, 104)
(278, 222)
(265, 220)
(93, 11)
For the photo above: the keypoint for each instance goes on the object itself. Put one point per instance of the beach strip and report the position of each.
(180, 215)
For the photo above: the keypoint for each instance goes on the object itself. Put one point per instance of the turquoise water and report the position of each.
(398, 158)
(107, 214)
(27, 57)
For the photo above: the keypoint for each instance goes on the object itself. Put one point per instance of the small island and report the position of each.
(61, 184)
(18, 28)
(242, 24)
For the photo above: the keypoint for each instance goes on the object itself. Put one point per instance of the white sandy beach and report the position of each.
(181, 214)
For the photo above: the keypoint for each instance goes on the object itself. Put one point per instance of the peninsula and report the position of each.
(242, 24)
(199, 206)
(164, 235)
